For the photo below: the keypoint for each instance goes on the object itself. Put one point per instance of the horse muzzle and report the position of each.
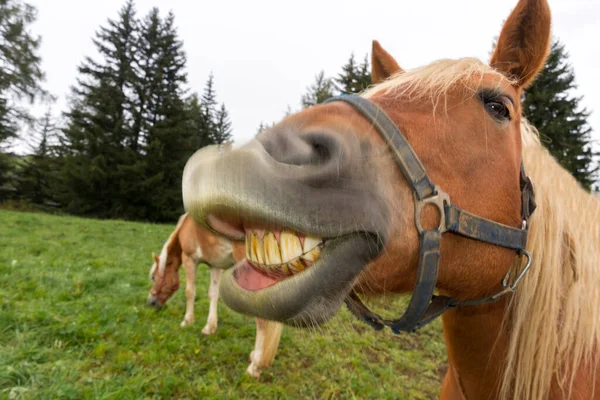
(154, 302)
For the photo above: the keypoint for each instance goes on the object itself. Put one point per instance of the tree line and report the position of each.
(129, 129)
(119, 149)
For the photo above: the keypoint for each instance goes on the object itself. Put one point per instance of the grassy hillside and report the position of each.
(73, 324)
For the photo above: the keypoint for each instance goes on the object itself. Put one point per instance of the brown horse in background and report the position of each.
(328, 174)
(190, 244)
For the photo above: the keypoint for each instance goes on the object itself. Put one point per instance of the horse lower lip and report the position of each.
(307, 298)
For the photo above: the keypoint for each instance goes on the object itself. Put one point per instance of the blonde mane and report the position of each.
(553, 319)
(434, 80)
(164, 253)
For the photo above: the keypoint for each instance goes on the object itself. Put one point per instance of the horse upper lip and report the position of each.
(231, 230)
(246, 187)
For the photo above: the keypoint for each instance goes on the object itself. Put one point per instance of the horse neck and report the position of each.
(548, 324)
(476, 344)
(173, 246)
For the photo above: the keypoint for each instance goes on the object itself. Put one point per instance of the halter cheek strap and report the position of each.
(424, 306)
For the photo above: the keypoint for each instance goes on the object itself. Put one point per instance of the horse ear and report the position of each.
(155, 257)
(524, 42)
(383, 64)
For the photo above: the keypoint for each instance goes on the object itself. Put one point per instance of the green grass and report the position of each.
(74, 325)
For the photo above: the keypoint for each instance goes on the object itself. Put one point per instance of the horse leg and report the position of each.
(268, 334)
(213, 296)
(190, 290)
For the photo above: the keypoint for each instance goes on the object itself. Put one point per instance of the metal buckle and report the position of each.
(439, 199)
(506, 288)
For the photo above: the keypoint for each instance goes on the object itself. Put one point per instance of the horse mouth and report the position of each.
(280, 254)
(297, 278)
(153, 301)
(308, 237)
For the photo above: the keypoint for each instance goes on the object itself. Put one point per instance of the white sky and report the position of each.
(265, 53)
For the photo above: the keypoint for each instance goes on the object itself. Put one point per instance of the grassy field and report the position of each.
(74, 325)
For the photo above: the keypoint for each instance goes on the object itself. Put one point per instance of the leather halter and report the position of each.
(424, 306)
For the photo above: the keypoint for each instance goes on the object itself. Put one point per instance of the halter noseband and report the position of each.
(424, 306)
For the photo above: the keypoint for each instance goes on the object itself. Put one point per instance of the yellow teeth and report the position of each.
(256, 249)
(290, 246)
(310, 243)
(272, 254)
(285, 269)
(312, 255)
(286, 256)
(296, 265)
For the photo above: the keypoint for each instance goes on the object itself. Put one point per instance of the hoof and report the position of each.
(253, 370)
(185, 323)
(209, 330)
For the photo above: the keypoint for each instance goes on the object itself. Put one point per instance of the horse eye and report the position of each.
(152, 278)
(497, 108)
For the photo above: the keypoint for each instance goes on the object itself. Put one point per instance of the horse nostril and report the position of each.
(321, 152)
(309, 148)
(154, 302)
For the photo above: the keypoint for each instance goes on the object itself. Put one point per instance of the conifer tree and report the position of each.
(319, 91)
(131, 124)
(170, 139)
(200, 135)
(216, 123)
(37, 177)
(98, 127)
(21, 75)
(209, 98)
(263, 127)
(8, 130)
(208, 104)
(354, 77)
(222, 126)
(551, 107)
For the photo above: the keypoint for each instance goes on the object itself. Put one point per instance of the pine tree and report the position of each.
(200, 135)
(209, 97)
(263, 127)
(20, 72)
(354, 78)
(99, 127)
(319, 91)
(170, 141)
(216, 123)
(208, 104)
(222, 126)
(131, 126)
(8, 130)
(551, 107)
(37, 176)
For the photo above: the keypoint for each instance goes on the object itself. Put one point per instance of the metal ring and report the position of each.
(439, 199)
(514, 285)
(525, 269)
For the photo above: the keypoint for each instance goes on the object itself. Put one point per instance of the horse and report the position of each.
(430, 182)
(191, 244)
